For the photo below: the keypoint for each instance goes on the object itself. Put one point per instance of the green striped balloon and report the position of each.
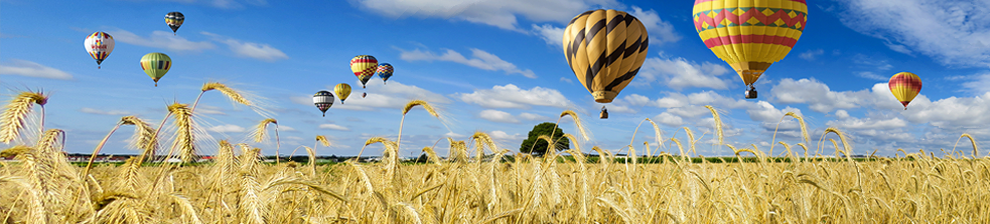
(156, 65)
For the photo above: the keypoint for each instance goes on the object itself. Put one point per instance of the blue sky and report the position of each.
(496, 67)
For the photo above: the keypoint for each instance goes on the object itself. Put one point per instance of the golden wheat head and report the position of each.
(259, 134)
(15, 113)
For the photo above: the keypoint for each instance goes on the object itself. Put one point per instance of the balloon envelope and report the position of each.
(99, 45)
(156, 65)
(385, 71)
(905, 86)
(174, 20)
(750, 35)
(323, 100)
(605, 49)
(364, 67)
(343, 90)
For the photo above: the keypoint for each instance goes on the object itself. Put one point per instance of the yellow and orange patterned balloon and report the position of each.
(364, 66)
(905, 86)
(750, 35)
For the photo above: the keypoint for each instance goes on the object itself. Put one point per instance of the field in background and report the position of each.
(528, 190)
(490, 186)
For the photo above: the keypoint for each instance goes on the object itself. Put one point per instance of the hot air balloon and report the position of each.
(99, 45)
(174, 20)
(156, 65)
(605, 49)
(364, 67)
(905, 86)
(750, 35)
(323, 100)
(385, 71)
(343, 90)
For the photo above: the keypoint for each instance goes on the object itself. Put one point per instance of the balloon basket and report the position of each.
(751, 93)
(603, 114)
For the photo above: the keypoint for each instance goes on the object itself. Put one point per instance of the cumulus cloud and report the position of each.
(811, 54)
(568, 81)
(498, 116)
(533, 117)
(511, 96)
(679, 73)
(669, 119)
(871, 75)
(224, 4)
(954, 33)
(104, 112)
(820, 98)
(334, 127)
(503, 14)
(551, 34)
(161, 39)
(395, 96)
(480, 59)
(978, 84)
(264, 52)
(502, 135)
(32, 69)
(226, 128)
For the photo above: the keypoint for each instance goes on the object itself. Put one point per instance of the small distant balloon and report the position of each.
(156, 65)
(343, 90)
(905, 86)
(174, 20)
(323, 100)
(99, 45)
(385, 71)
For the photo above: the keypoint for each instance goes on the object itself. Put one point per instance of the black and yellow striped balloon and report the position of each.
(605, 49)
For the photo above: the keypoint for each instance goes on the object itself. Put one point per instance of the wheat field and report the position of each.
(480, 182)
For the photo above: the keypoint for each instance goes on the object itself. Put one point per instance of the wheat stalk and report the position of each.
(258, 135)
(718, 123)
(804, 128)
(975, 152)
(426, 106)
(15, 113)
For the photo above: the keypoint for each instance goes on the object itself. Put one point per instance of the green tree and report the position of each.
(540, 147)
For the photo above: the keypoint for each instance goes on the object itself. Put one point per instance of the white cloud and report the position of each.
(454, 135)
(498, 116)
(161, 39)
(264, 52)
(954, 33)
(552, 35)
(481, 59)
(637, 100)
(679, 73)
(224, 4)
(511, 96)
(871, 62)
(502, 14)
(811, 54)
(568, 81)
(669, 119)
(226, 128)
(104, 112)
(821, 98)
(978, 84)
(953, 113)
(533, 117)
(501, 135)
(395, 96)
(871, 75)
(334, 127)
(660, 31)
(32, 69)
(841, 114)
(285, 128)
(869, 123)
